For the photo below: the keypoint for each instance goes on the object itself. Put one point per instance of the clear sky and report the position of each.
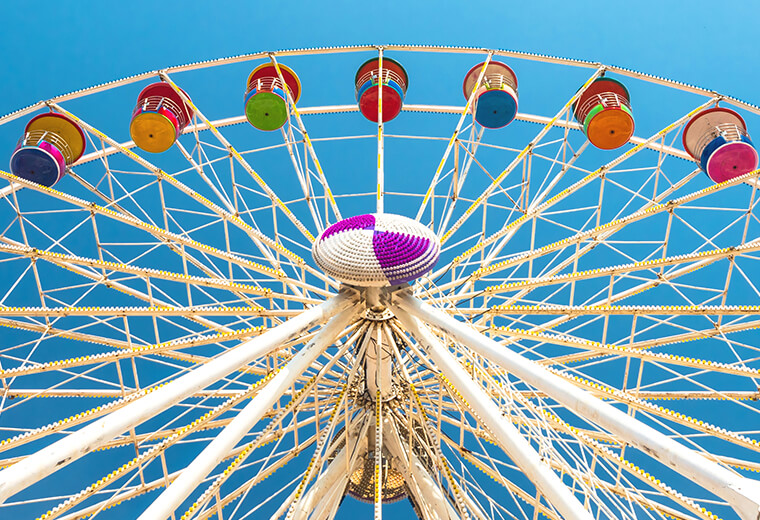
(56, 47)
(48, 48)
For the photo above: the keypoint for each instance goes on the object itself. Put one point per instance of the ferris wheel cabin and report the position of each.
(394, 82)
(495, 103)
(717, 139)
(50, 143)
(604, 110)
(266, 102)
(159, 118)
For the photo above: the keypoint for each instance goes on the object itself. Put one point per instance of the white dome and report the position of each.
(376, 250)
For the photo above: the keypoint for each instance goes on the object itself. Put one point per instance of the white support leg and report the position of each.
(328, 506)
(51, 458)
(507, 435)
(430, 499)
(741, 493)
(350, 463)
(284, 506)
(379, 471)
(473, 506)
(252, 413)
(319, 500)
(335, 477)
(380, 144)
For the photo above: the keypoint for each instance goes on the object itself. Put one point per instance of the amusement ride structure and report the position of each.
(366, 287)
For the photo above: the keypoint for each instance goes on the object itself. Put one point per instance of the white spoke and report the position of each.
(545, 328)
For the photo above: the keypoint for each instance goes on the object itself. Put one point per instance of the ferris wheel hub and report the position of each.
(378, 314)
(376, 250)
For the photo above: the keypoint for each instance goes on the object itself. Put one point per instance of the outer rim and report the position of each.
(651, 78)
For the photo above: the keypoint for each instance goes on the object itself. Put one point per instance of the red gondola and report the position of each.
(394, 84)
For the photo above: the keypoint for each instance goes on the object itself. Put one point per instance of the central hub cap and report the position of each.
(376, 250)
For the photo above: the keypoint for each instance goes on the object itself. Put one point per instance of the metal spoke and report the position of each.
(586, 346)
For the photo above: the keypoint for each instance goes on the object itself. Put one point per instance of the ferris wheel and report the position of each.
(462, 282)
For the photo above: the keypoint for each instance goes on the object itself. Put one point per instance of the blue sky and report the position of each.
(61, 46)
(57, 47)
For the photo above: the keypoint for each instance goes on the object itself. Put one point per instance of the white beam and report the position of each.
(219, 448)
(328, 506)
(330, 484)
(741, 493)
(380, 143)
(51, 458)
(420, 484)
(510, 439)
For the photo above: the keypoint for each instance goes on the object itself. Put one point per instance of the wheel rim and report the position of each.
(603, 266)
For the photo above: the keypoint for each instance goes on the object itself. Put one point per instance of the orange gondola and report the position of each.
(604, 110)
(159, 118)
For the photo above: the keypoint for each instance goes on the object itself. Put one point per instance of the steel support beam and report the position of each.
(506, 434)
(429, 497)
(220, 447)
(741, 493)
(331, 483)
(57, 455)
